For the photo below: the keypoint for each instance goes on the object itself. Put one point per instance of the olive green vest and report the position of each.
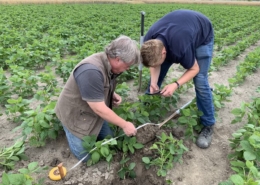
(74, 113)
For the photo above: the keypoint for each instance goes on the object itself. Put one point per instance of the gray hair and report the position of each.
(125, 48)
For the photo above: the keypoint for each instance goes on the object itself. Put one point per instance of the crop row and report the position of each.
(43, 36)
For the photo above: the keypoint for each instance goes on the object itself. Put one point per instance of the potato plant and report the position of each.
(126, 170)
(10, 155)
(5, 92)
(25, 176)
(40, 124)
(99, 150)
(168, 150)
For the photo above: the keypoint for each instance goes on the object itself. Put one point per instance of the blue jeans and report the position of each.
(203, 91)
(75, 143)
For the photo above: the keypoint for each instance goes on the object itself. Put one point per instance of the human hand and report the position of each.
(129, 129)
(168, 90)
(154, 88)
(116, 99)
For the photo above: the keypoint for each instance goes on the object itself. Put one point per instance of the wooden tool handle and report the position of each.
(176, 113)
(60, 168)
(170, 117)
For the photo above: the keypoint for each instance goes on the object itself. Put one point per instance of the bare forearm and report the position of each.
(155, 72)
(189, 74)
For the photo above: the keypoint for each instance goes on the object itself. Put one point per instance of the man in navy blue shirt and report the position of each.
(183, 37)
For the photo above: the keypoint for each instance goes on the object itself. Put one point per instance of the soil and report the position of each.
(200, 166)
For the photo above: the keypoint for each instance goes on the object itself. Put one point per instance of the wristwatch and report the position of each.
(177, 84)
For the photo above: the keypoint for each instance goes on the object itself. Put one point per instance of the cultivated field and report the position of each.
(40, 45)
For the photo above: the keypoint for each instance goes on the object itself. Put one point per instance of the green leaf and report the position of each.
(32, 166)
(237, 179)
(17, 179)
(246, 146)
(238, 163)
(131, 148)
(237, 135)
(89, 162)
(255, 172)
(249, 164)
(141, 120)
(104, 151)
(241, 130)
(109, 158)
(28, 182)
(5, 179)
(40, 116)
(182, 119)
(254, 141)
(146, 160)
(163, 137)
(20, 151)
(24, 171)
(124, 160)
(11, 101)
(171, 147)
(30, 112)
(154, 146)
(95, 156)
(132, 140)
(235, 169)
(10, 165)
(23, 157)
(113, 142)
(236, 111)
(162, 173)
(217, 104)
(186, 112)
(125, 148)
(251, 126)
(48, 117)
(121, 173)
(249, 156)
(44, 124)
(132, 174)
(145, 114)
(52, 134)
(138, 145)
(193, 122)
(18, 144)
(131, 166)
(27, 130)
(14, 158)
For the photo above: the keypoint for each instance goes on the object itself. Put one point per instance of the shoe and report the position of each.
(205, 137)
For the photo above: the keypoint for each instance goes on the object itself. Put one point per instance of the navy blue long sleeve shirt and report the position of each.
(182, 31)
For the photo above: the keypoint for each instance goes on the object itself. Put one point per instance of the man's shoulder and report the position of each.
(88, 66)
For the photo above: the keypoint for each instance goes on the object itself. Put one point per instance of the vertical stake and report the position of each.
(60, 168)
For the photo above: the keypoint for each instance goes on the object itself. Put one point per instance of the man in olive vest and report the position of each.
(85, 104)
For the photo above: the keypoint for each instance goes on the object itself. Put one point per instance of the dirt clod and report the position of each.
(147, 134)
(55, 162)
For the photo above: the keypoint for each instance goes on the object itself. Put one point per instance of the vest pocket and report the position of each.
(85, 121)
